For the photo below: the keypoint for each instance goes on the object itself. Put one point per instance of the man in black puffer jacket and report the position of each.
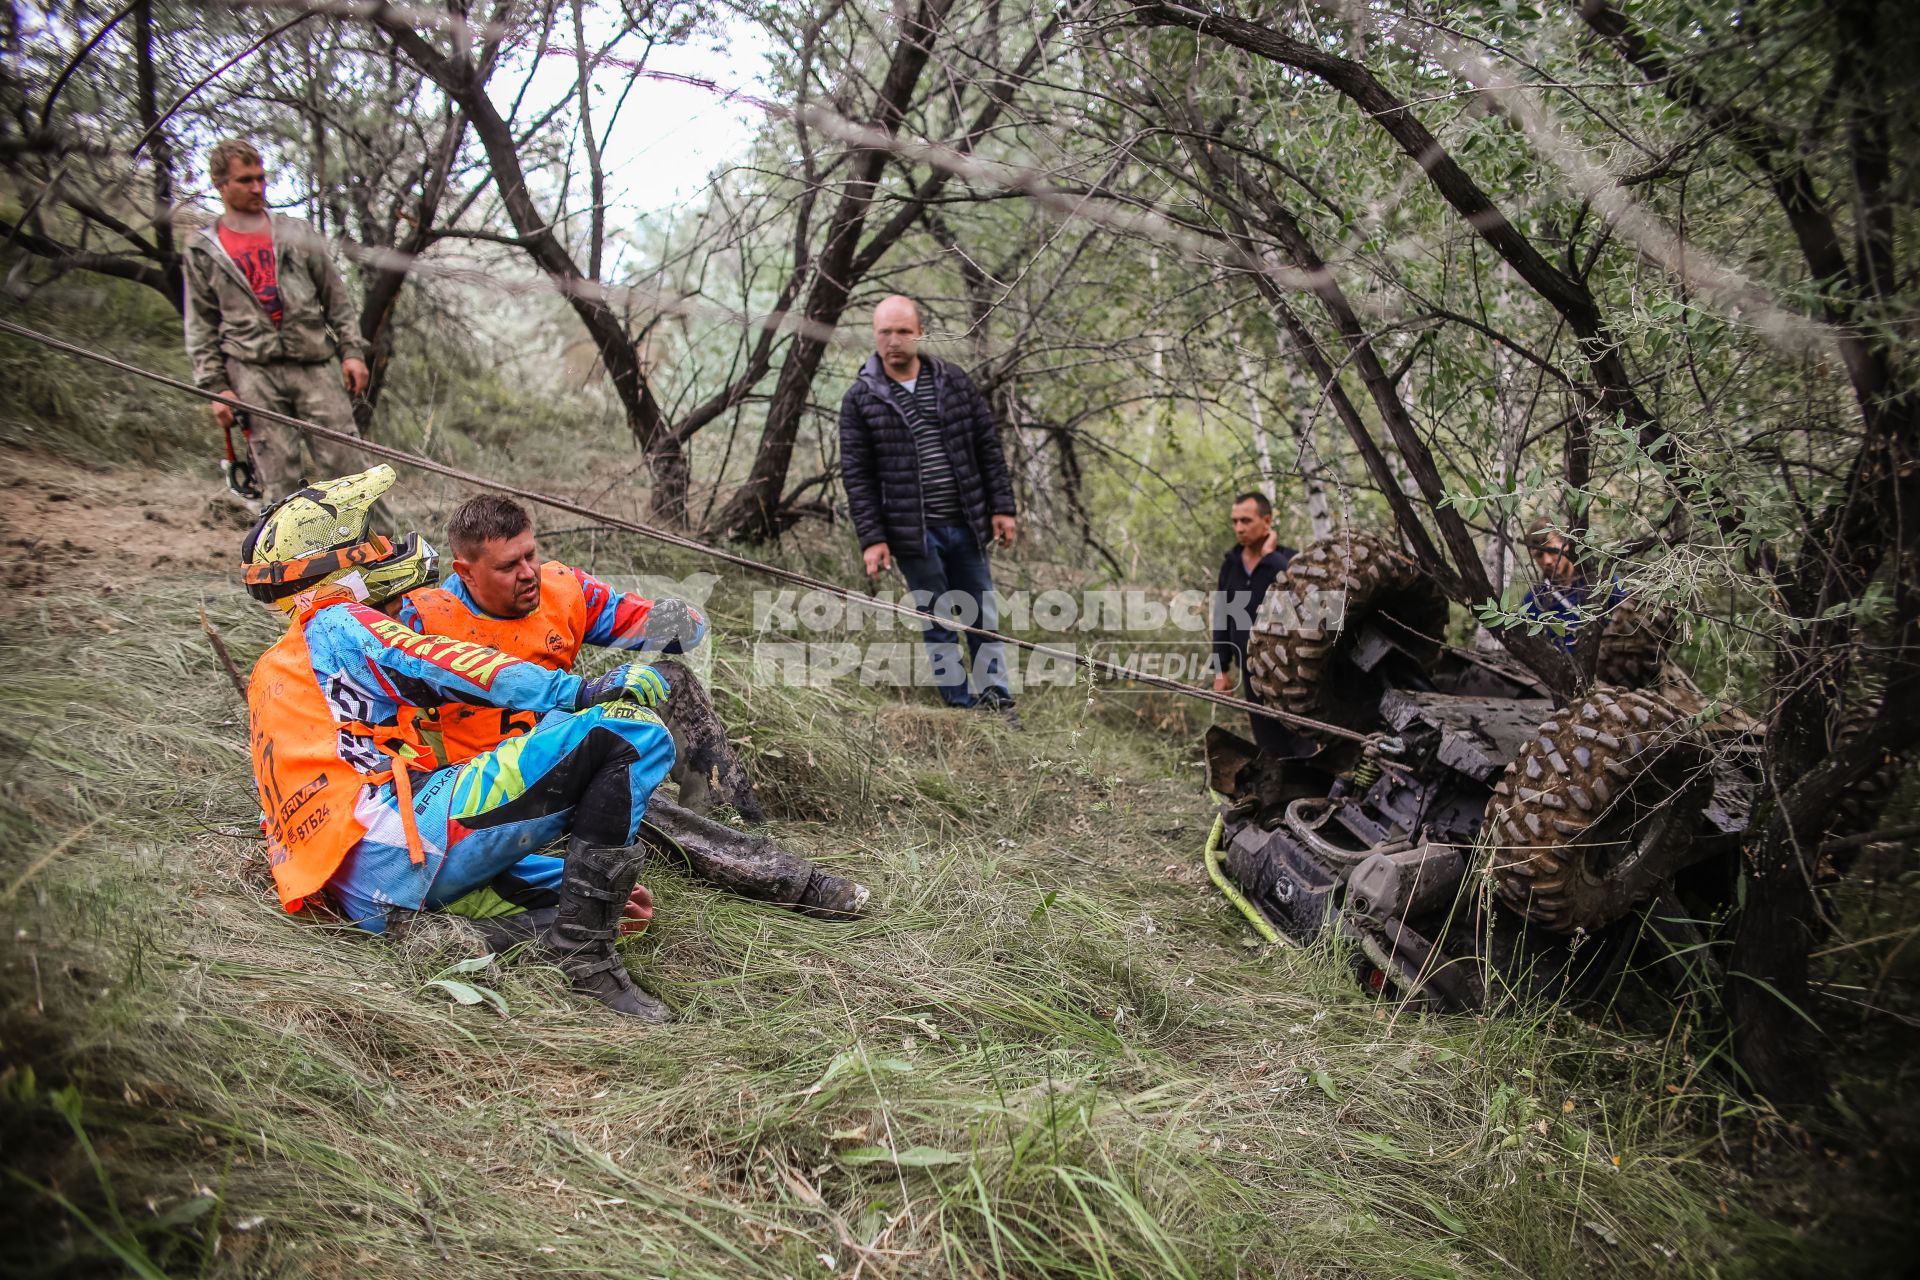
(928, 488)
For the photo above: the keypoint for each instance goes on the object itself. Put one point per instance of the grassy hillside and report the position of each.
(1050, 1051)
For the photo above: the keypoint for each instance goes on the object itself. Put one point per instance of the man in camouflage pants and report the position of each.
(266, 316)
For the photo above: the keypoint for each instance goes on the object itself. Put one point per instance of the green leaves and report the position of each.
(911, 1158)
(468, 993)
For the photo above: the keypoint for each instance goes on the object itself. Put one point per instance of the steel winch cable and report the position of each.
(420, 463)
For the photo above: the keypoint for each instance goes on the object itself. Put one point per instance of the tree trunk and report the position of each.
(1313, 469)
(1768, 996)
(1257, 416)
(386, 281)
(753, 511)
(1157, 377)
(618, 356)
(1513, 434)
(161, 148)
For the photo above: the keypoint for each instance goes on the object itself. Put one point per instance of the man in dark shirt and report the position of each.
(1250, 566)
(928, 489)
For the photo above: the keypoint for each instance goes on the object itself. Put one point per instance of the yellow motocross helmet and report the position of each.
(318, 535)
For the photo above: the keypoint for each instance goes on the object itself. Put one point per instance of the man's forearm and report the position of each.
(343, 317)
(863, 489)
(212, 376)
(347, 337)
(648, 626)
(462, 671)
(350, 345)
(203, 345)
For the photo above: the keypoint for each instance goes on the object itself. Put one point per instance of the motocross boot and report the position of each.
(503, 933)
(831, 897)
(594, 887)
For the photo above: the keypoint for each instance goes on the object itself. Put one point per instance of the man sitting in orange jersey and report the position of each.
(503, 596)
(355, 802)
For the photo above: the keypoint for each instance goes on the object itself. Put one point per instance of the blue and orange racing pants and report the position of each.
(588, 774)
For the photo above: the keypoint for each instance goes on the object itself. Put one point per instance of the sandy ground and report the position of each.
(62, 524)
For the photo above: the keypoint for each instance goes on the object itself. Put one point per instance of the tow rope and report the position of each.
(416, 461)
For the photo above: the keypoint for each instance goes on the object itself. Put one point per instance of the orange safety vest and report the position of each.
(308, 791)
(551, 636)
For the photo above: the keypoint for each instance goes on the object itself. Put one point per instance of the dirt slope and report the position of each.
(64, 525)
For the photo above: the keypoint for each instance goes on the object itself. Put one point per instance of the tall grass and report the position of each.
(1050, 1051)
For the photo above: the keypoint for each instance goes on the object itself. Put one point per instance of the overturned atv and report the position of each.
(1477, 840)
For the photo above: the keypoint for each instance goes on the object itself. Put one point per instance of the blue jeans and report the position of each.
(952, 579)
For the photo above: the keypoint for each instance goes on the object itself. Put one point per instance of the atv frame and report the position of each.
(1481, 842)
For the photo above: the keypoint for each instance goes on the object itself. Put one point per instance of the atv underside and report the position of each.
(1479, 842)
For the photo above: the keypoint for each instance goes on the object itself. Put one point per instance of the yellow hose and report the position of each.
(1260, 923)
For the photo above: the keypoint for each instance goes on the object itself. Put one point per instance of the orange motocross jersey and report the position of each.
(551, 635)
(332, 709)
(308, 791)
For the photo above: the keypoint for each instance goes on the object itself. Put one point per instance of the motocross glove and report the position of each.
(673, 626)
(632, 680)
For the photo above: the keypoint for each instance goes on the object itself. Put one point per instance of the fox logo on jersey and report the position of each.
(472, 661)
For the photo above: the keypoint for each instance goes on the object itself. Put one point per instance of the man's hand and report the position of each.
(1005, 530)
(223, 410)
(1272, 544)
(632, 680)
(637, 914)
(672, 626)
(878, 558)
(1223, 682)
(356, 375)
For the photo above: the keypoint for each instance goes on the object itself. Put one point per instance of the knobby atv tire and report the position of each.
(1616, 767)
(1633, 642)
(1293, 648)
